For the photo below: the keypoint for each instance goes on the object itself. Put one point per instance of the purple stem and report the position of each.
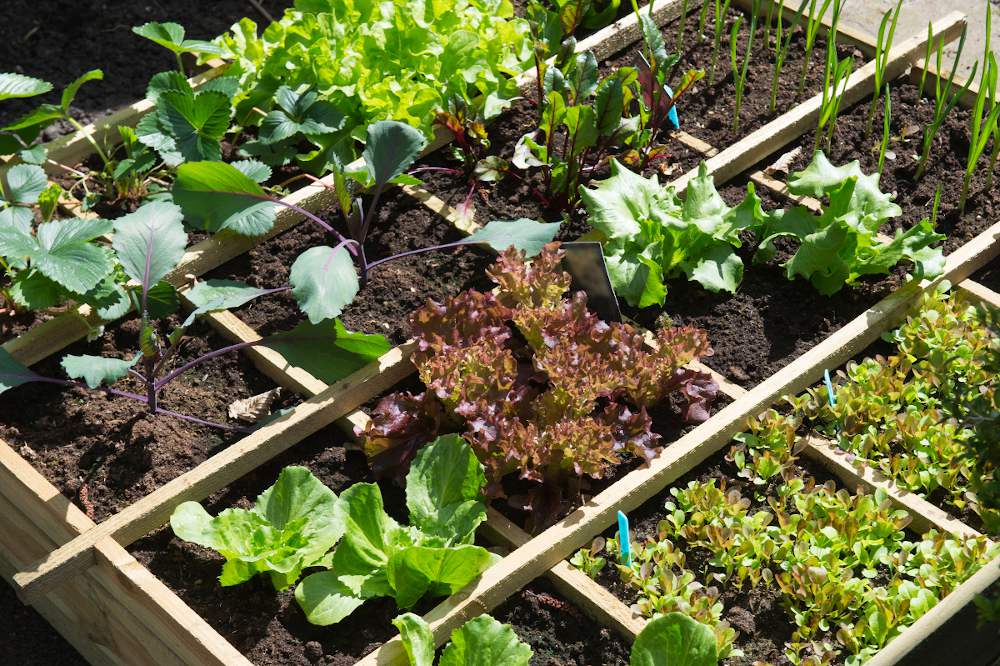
(210, 424)
(173, 374)
(422, 250)
(302, 211)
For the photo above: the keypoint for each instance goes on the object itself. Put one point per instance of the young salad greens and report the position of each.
(300, 524)
(545, 389)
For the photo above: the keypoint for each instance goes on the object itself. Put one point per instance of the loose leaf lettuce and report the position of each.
(839, 245)
(482, 641)
(651, 235)
(378, 557)
(290, 527)
(674, 639)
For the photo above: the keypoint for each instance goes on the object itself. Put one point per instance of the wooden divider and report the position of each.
(542, 555)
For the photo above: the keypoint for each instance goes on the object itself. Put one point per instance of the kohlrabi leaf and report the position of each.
(97, 370)
(150, 242)
(327, 350)
(291, 526)
(25, 183)
(216, 196)
(484, 641)
(437, 570)
(523, 234)
(674, 639)
(390, 149)
(444, 490)
(62, 251)
(324, 281)
(418, 641)
(13, 86)
(326, 600)
(171, 36)
(215, 295)
(12, 373)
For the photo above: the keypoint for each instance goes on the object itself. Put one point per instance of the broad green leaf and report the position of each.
(196, 122)
(36, 119)
(97, 370)
(674, 639)
(216, 196)
(13, 86)
(390, 149)
(443, 490)
(718, 268)
(821, 178)
(327, 350)
(370, 538)
(616, 205)
(483, 641)
(418, 641)
(523, 234)
(61, 250)
(150, 242)
(25, 183)
(171, 36)
(253, 169)
(166, 82)
(440, 571)
(108, 299)
(608, 105)
(324, 281)
(70, 91)
(325, 599)
(32, 290)
(300, 113)
(162, 300)
(299, 501)
(215, 295)
(12, 373)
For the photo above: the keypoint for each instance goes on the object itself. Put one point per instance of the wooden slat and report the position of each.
(557, 542)
(980, 293)
(924, 514)
(966, 100)
(781, 131)
(218, 471)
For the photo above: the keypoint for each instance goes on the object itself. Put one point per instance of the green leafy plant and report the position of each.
(291, 527)
(545, 389)
(650, 235)
(839, 245)
(378, 557)
(381, 61)
(589, 560)
(883, 45)
(674, 639)
(18, 86)
(482, 641)
(721, 9)
(944, 100)
(591, 14)
(740, 70)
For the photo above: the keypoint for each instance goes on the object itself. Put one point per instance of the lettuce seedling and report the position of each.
(216, 196)
(650, 235)
(148, 245)
(545, 389)
(378, 557)
(291, 526)
(839, 246)
(482, 641)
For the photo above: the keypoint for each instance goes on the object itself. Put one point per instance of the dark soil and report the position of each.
(59, 40)
(267, 626)
(106, 452)
(756, 614)
(910, 114)
(395, 289)
(989, 275)
(28, 639)
(558, 632)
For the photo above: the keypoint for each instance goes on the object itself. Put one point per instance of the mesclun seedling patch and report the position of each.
(545, 389)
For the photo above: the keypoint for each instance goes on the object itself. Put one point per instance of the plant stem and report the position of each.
(177, 372)
(89, 137)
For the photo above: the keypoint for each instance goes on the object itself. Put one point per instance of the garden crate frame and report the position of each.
(116, 611)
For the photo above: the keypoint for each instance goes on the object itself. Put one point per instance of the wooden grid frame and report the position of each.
(86, 573)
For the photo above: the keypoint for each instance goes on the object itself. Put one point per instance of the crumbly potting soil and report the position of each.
(107, 452)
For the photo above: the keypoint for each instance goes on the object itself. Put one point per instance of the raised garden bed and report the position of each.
(68, 564)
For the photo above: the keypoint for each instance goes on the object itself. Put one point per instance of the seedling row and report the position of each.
(339, 401)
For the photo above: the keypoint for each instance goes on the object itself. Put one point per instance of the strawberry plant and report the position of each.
(650, 235)
(544, 388)
(839, 245)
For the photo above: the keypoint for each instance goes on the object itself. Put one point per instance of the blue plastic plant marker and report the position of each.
(829, 388)
(623, 540)
(675, 120)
